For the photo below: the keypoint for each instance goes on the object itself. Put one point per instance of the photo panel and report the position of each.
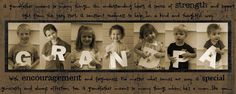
(63, 37)
(112, 33)
(207, 32)
(190, 39)
(118, 45)
(23, 46)
(86, 34)
(160, 39)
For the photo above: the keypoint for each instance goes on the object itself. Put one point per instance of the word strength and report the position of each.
(197, 5)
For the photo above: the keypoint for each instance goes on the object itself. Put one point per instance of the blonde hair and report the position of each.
(79, 44)
(181, 28)
(23, 27)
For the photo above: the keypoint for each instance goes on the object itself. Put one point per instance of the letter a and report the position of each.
(209, 55)
(85, 58)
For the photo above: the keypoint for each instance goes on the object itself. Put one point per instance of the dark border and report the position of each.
(230, 43)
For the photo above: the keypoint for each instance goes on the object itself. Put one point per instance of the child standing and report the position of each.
(213, 31)
(116, 34)
(50, 32)
(85, 41)
(30, 53)
(180, 34)
(149, 48)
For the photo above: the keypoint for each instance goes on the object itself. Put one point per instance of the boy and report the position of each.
(213, 31)
(180, 62)
(52, 62)
(23, 55)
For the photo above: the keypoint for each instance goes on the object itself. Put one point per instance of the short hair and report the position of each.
(23, 27)
(49, 27)
(117, 27)
(147, 28)
(212, 27)
(181, 28)
(78, 44)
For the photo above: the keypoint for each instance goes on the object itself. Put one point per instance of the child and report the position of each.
(148, 36)
(180, 34)
(50, 33)
(23, 33)
(116, 34)
(86, 42)
(213, 31)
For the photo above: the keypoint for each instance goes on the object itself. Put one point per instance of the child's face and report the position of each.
(215, 35)
(24, 36)
(51, 34)
(86, 38)
(116, 35)
(149, 36)
(180, 36)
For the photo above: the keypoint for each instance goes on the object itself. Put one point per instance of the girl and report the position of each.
(116, 34)
(149, 49)
(85, 42)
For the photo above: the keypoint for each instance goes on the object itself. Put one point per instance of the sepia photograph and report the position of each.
(170, 46)
(117, 47)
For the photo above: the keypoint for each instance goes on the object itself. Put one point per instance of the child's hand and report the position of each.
(128, 54)
(22, 66)
(73, 59)
(186, 55)
(76, 64)
(107, 54)
(97, 65)
(144, 55)
(50, 58)
(67, 54)
(172, 59)
(17, 65)
(93, 63)
(27, 66)
(158, 55)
